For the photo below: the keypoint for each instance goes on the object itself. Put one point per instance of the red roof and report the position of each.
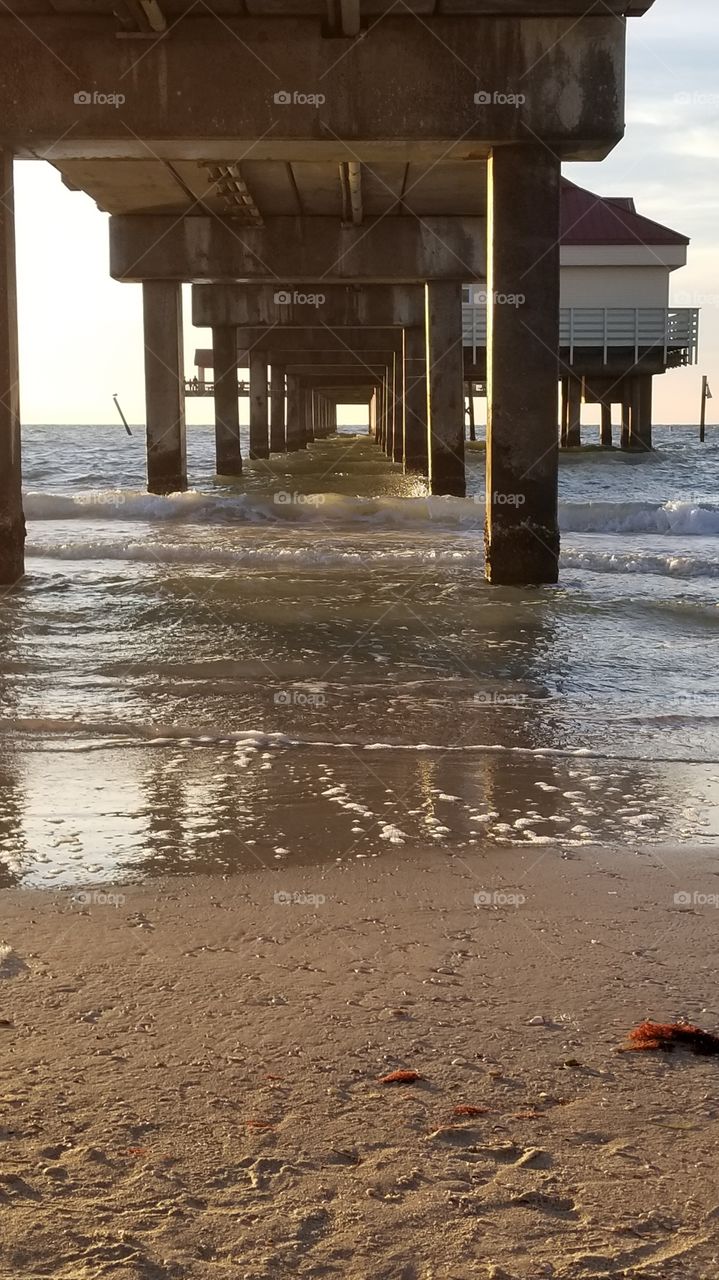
(591, 219)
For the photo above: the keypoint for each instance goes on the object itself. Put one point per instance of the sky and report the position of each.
(81, 332)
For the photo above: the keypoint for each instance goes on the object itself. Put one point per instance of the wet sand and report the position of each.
(190, 1084)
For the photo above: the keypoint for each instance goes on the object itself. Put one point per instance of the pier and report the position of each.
(381, 162)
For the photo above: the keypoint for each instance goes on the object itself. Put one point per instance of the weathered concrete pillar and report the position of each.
(415, 401)
(372, 424)
(397, 370)
(12, 523)
(259, 441)
(574, 411)
(445, 387)
(277, 409)
(640, 421)
(164, 386)
(309, 421)
(522, 531)
(606, 430)
(382, 434)
(626, 417)
(227, 403)
(331, 411)
(564, 413)
(295, 414)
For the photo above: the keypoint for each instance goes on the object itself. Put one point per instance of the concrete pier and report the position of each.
(227, 404)
(640, 414)
(12, 522)
(522, 531)
(259, 438)
(295, 414)
(415, 401)
(164, 387)
(445, 387)
(277, 409)
(396, 374)
(574, 412)
(606, 427)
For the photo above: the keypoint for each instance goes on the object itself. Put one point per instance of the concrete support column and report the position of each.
(574, 412)
(295, 414)
(331, 411)
(415, 401)
(309, 421)
(12, 523)
(277, 409)
(564, 413)
(259, 441)
(626, 416)
(522, 531)
(398, 408)
(445, 387)
(164, 386)
(606, 431)
(372, 427)
(227, 403)
(381, 414)
(640, 420)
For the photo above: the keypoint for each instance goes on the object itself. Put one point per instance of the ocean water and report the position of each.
(306, 665)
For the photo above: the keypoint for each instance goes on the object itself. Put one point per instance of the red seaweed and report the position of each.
(668, 1036)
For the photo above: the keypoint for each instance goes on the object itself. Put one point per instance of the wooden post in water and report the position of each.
(706, 395)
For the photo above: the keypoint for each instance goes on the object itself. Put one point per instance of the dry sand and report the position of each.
(190, 1077)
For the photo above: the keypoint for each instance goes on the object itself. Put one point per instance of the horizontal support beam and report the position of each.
(424, 85)
(383, 250)
(317, 304)
(318, 341)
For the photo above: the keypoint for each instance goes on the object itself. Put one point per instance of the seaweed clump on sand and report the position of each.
(672, 1035)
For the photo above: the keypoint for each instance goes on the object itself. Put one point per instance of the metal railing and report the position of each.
(673, 330)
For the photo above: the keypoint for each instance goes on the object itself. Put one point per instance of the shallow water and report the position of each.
(185, 679)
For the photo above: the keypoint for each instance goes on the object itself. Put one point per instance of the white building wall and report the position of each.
(614, 286)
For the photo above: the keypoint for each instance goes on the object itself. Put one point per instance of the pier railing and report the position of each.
(672, 330)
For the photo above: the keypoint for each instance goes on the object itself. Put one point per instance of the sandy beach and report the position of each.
(191, 1082)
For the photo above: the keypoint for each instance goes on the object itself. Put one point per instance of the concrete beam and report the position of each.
(382, 250)
(317, 305)
(432, 83)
